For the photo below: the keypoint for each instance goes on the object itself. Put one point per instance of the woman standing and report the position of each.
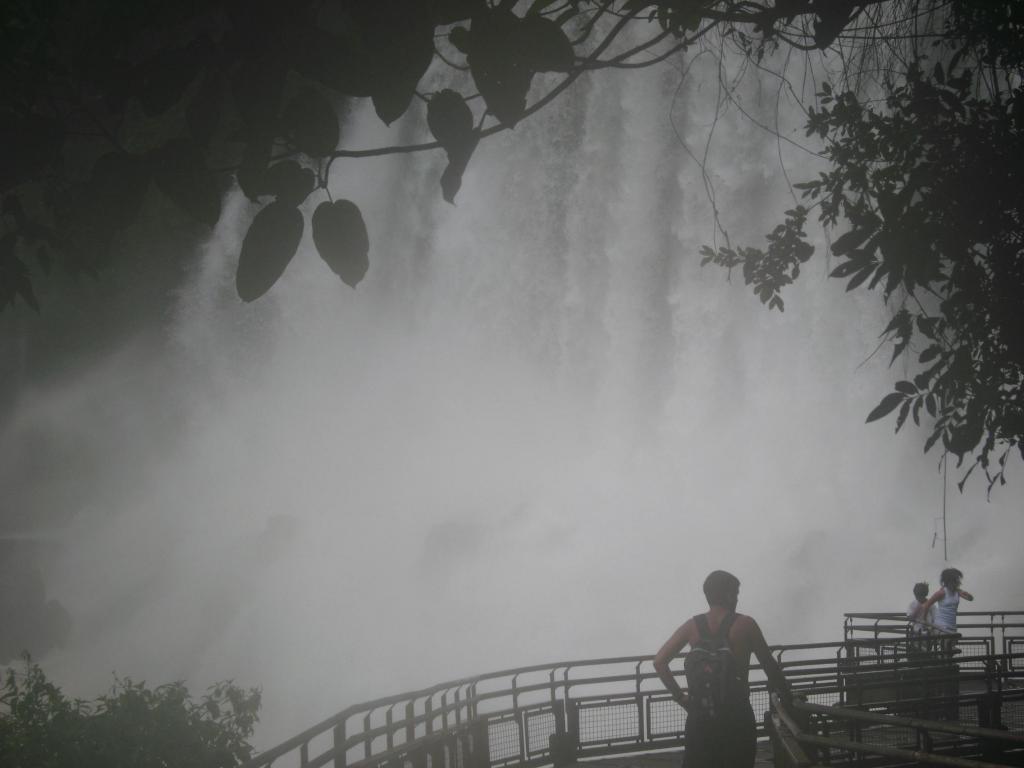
(946, 600)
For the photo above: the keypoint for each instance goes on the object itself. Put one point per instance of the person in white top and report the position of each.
(921, 625)
(946, 600)
(920, 630)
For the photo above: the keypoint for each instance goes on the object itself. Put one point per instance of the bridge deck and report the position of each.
(668, 759)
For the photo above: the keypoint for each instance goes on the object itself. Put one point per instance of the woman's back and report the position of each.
(946, 608)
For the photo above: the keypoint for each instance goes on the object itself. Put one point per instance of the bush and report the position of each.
(131, 727)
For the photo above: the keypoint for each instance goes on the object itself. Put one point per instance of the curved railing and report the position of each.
(554, 714)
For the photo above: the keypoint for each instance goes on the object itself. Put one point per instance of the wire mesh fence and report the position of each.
(562, 712)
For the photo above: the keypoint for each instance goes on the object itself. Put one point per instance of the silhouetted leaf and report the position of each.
(289, 182)
(451, 11)
(962, 438)
(496, 62)
(451, 178)
(330, 59)
(847, 268)
(119, 182)
(180, 172)
(161, 80)
(256, 88)
(450, 120)
(311, 124)
(27, 145)
(860, 277)
(269, 245)
(460, 38)
(831, 18)
(203, 113)
(930, 353)
(85, 230)
(850, 241)
(88, 215)
(15, 279)
(252, 173)
(340, 236)
(537, 6)
(902, 416)
(396, 46)
(545, 46)
(888, 404)
(899, 322)
(928, 325)
(906, 387)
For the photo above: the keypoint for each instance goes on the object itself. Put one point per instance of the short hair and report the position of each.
(921, 590)
(951, 577)
(719, 586)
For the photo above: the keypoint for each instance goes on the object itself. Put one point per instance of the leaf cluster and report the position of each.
(107, 101)
(133, 726)
(771, 269)
(927, 188)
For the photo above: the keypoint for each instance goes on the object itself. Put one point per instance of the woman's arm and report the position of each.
(939, 594)
(776, 679)
(669, 651)
(966, 595)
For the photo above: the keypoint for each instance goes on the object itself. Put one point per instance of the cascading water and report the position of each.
(527, 436)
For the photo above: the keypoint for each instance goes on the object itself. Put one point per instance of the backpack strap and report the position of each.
(703, 628)
(723, 629)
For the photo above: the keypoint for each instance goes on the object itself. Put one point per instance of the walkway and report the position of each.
(669, 759)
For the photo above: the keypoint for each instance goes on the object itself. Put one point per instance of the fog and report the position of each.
(527, 436)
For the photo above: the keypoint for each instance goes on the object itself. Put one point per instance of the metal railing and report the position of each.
(1002, 628)
(805, 735)
(555, 714)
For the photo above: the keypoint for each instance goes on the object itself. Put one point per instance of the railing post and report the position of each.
(410, 725)
(367, 740)
(990, 715)
(479, 744)
(340, 756)
(520, 718)
(572, 723)
(563, 749)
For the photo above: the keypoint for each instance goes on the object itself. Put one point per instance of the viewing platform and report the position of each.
(875, 698)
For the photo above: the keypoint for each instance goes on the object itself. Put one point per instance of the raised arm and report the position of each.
(966, 595)
(776, 680)
(664, 657)
(938, 595)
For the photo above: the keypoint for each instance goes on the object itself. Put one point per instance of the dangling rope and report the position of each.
(945, 547)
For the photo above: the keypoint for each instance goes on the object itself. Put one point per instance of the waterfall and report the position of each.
(526, 436)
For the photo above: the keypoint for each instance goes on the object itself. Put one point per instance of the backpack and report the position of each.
(710, 668)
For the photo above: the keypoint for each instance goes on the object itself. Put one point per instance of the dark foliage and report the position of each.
(928, 189)
(106, 101)
(131, 727)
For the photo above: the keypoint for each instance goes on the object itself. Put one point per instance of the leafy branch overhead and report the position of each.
(113, 107)
(927, 189)
(106, 100)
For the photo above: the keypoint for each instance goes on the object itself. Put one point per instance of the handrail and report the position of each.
(908, 722)
(781, 714)
(441, 716)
